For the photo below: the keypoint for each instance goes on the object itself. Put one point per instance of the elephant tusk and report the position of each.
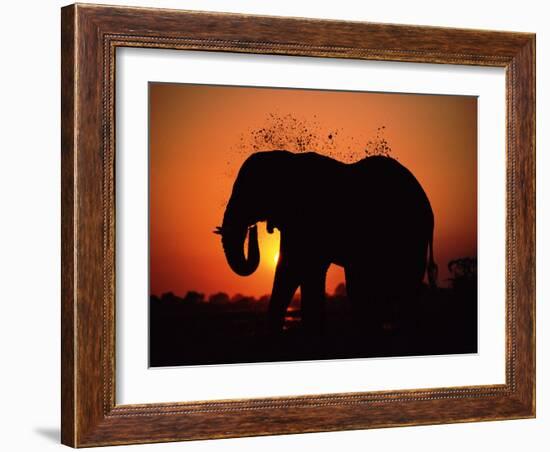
(218, 230)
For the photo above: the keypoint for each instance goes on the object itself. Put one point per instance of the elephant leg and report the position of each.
(313, 300)
(365, 301)
(284, 286)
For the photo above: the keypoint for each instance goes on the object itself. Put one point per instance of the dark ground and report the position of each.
(192, 331)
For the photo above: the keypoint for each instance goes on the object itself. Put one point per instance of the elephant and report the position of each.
(371, 217)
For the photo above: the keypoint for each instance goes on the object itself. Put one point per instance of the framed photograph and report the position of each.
(281, 225)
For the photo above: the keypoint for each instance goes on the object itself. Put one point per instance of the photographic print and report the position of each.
(294, 224)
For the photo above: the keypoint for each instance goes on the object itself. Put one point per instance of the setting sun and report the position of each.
(269, 248)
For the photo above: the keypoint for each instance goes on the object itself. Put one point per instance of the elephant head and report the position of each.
(252, 200)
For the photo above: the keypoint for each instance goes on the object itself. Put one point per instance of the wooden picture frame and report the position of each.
(90, 36)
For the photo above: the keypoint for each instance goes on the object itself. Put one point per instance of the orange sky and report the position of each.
(200, 135)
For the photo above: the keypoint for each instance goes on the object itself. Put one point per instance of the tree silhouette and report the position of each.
(170, 297)
(464, 273)
(193, 297)
(219, 298)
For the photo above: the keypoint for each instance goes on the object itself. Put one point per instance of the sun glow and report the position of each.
(269, 248)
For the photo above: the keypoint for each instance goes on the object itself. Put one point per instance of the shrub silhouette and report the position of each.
(219, 298)
(464, 273)
(193, 297)
(169, 297)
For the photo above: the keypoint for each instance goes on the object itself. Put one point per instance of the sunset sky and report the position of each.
(200, 135)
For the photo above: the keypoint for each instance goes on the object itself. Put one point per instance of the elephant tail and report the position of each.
(432, 266)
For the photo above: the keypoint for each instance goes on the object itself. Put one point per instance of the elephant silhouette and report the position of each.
(371, 217)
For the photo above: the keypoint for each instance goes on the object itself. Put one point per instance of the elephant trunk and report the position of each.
(233, 245)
